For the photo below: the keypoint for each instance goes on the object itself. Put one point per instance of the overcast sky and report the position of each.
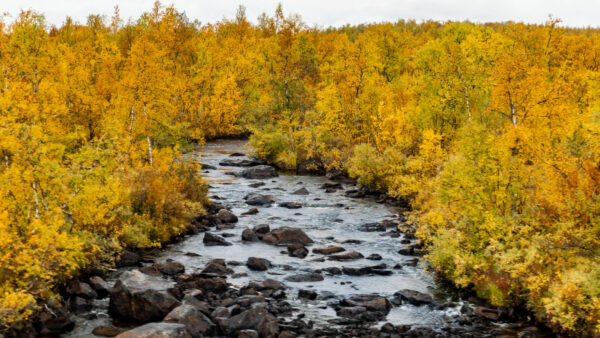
(579, 13)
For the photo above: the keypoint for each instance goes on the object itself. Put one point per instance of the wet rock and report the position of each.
(258, 199)
(247, 334)
(249, 236)
(128, 258)
(333, 270)
(287, 235)
(226, 216)
(53, 320)
(106, 330)
(195, 321)
(290, 205)
(413, 297)
(305, 277)
(170, 267)
(332, 186)
(157, 330)
(374, 257)
(79, 304)
(259, 172)
(192, 254)
(308, 294)
(214, 240)
(411, 262)
(237, 154)
(252, 211)
(261, 229)
(301, 191)
(196, 299)
(356, 193)
(268, 327)
(346, 256)
(351, 311)
(249, 319)
(141, 298)
(379, 269)
(78, 289)
(241, 163)
(328, 250)
(297, 250)
(256, 185)
(99, 285)
(218, 269)
(311, 167)
(258, 264)
(371, 302)
(352, 241)
(487, 313)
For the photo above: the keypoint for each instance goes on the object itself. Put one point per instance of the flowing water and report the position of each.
(328, 218)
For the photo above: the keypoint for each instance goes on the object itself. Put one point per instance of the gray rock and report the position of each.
(195, 321)
(214, 240)
(157, 330)
(259, 172)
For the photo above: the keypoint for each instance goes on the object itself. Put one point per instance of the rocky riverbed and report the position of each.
(284, 256)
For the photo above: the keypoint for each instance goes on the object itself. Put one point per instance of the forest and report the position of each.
(490, 131)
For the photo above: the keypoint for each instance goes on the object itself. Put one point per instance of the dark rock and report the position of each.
(79, 289)
(346, 256)
(258, 264)
(106, 330)
(249, 236)
(333, 270)
(290, 205)
(371, 302)
(128, 258)
(413, 297)
(308, 294)
(352, 241)
(237, 155)
(195, 321)
(268, 327)
(356, 193)
(261, 229)
(305, 277)
(141, 298)
(247, 334)
(252, 211)
(487, 313)
(208, 167)
(259, 172)
(258, 199)
(297, 250)
(256, 185)
(157, 330)
(241, 163)
(287, 235)
(407, 251)
(249, 319)
(301, 191)
(411, 262)
(332, 186)
(79, 304)
(213, 240)
(192, 254)
(99, 285)
(328, 250)
(374, 257)
(53, 320)
(170, 267)
(218, 269)
(226, 216)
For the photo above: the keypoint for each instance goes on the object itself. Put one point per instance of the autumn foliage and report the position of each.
(492, 132)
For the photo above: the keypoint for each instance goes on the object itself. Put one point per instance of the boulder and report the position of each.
(258, 199)
(374, 257)
(261, 229)
(249, 236)
(217, 269)
(78, 289)
(305, 277)
(311, 167)
(247, 334)
(208, 167)
(287, 235)
(487, 313)
(99, 285)
(128, 258)
(53, 320)
(308, 294)
(301, 191)
(195, 321)
(371, 302)
(346, 256)
(249, 319)
(226, 216)
(157, 330)
(259, 172)
(214, 240)
(106, 330)
(252, 211)
(328, 250)
(141, 298)
(413, 297)
(241, 163)
(258, 264)
(297, 250)
(170, 267)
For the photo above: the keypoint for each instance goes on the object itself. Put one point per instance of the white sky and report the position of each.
(577, 13)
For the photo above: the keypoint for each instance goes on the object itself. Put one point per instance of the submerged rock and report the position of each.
(258, 199)
(214, 240)
(305, 277)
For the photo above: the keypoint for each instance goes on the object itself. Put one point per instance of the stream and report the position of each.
(328, 218)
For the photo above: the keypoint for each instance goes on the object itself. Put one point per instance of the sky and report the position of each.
(325, 13)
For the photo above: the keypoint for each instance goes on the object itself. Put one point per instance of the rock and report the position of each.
(351, 311)
(290, 205)
(268, 327)
(249, 236)
(487, 313)
(356, 193)
(99, 285)
(301, 191)
(141, 298)
(249, 319)
(208, 167)
(332, 186)
(252, 211)
(413, 297)
(259, 172)
(305, 277)
(128, 258)
(308, 294)
(287, 235)
(226, 216)
(217, 269)
(241, 163)
(371, 302)
(211, 284)
(79, 304)
(106, 330)
(374, 257)
(346, 256)
(195, 321)
(247, 334)
(79, 289)
(53, 320)
(157, 330)
(258, 264)
(170, 267)
(237, 154)
(311, 167)
(256, 185)
(328, 250)
(258, 199)
(333, 270)
(261, 229)
(371, 227)
(297, 250)
(213, 240)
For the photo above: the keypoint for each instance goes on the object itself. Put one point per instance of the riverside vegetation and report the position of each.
(490, 131)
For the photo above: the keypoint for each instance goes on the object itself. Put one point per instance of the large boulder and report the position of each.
(214, 240)
(258, 199)
(128, 258)
(259, 172)
(141, 298)
(195, 321)
(157, 330)
(371, 302)
(258, 264)
(226, 216)
(287, 235)
(249, 236)
(100, 286)
(254, 319)
(413, 297)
